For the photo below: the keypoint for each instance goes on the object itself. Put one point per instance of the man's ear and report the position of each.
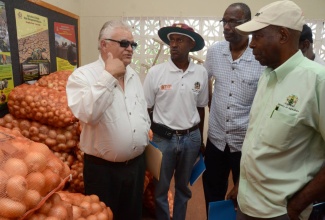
(193, 43)
(284, 34)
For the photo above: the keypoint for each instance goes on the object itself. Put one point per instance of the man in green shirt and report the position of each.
(281, 167)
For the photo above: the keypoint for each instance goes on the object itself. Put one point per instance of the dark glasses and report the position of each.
(125, 43)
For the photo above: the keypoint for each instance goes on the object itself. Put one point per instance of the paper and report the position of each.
(222, 210)
(198, 169)
(153, 159)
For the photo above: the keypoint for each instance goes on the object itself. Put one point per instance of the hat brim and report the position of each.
(199, 41)
(250, 26)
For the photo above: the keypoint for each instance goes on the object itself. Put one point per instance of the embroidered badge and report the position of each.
(292, 100)
(165, 87)
(197, 86)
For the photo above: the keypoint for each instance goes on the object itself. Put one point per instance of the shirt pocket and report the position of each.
(278, 130)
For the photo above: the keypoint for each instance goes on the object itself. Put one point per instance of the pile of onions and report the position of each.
(57, 139)
(42, 104)
(56, 80)
(54, 208)
(86, 207)
(29, 172)
(77, 182)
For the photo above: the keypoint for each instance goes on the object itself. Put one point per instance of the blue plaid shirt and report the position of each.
(234, 90)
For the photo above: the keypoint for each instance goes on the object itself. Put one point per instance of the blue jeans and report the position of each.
(179, 155)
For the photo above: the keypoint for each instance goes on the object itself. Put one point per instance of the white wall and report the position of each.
(72, 6)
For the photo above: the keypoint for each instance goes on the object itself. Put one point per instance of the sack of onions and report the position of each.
(56, 80)
(42, 104)
(76, 184)
(57, 139)
(53, 208)
(29, 173)
(86, 207)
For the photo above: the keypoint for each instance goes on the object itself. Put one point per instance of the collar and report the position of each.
(282, 71)
(247, 55)
(174, 68)
(129, 71)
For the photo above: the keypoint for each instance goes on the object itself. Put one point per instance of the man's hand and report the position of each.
(114, 66)
(233, 195)
(150, 135)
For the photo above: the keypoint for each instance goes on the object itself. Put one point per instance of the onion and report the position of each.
(16, 187)
(36, 181)
(58, 211)
(11, 209)
(32, 198)
(35, 161)
(15, 166)
(39, 147)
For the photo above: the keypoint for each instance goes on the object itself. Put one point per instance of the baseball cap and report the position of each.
(306, 34)
(284, 13)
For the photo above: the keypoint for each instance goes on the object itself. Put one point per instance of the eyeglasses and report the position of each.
(125, 43)
(232, 23)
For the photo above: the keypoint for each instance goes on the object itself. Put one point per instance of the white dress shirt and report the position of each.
(115, 123)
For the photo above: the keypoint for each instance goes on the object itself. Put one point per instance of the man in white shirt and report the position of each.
(107, 97)
(177, 90)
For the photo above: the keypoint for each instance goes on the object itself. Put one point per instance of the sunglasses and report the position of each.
(125, 43)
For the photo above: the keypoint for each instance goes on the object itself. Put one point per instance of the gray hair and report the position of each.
(108, 29)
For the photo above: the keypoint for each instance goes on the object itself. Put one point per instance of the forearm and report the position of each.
(313, 191)
(201, 111)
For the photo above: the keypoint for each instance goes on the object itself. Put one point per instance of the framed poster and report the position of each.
(28, 43)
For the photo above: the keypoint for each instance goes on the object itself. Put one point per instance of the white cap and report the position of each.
(284, 13)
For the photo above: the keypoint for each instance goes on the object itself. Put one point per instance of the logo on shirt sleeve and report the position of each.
(197, 86)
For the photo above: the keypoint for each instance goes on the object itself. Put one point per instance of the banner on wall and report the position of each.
(6, 75)
(65, 46)
(33, 45)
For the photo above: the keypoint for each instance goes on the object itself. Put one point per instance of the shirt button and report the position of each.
(233, 68)
(129, 113)
(230, 94)
(232, 81)
(134, 130)
(227, 132)
(227, 120)
(115, 86)
(228, 107)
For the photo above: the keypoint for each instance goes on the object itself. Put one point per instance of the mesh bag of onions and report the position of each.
(56, 80)
(29, 174)
(45, 105)
(57, 139)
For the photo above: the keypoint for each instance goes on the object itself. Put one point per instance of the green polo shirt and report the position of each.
(284, 146)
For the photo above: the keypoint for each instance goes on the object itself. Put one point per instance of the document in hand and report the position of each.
(198, 169)
(153, 159)
(222, 210)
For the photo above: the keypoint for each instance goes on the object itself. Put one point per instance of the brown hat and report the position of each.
(182, 29)
(282, 13)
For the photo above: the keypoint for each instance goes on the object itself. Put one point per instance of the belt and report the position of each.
(101, 161)
(186, 131)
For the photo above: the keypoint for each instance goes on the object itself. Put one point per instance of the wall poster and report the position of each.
(6, 74)
(33, 45)
(65, 46)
